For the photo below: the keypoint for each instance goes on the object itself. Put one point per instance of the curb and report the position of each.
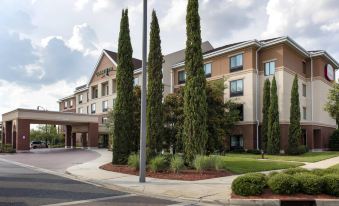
(277, 202)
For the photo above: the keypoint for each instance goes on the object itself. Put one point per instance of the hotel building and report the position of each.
(244, 66)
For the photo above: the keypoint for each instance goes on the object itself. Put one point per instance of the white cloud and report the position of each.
(80, 4)
(83, 39)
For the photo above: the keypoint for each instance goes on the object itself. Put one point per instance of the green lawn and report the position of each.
(335, 166)
(307, 157)
(239, 165)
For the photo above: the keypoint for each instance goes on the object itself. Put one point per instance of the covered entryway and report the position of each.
(16, 127)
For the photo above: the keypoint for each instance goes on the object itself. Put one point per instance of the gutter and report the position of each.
(257, 93)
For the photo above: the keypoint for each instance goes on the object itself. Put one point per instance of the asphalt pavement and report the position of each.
(21, 186)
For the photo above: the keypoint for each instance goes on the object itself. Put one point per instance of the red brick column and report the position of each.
(68, 136)
(74, 140)
(22, 135)
(8, 133)
(84, 140)
(93, 134)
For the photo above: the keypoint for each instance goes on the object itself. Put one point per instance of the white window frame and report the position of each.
(269, 68)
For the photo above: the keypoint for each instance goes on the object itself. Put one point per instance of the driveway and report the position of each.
(55, 159)
(21, 186)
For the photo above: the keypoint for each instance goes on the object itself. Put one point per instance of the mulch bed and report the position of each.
(268, 194)
(188, 175)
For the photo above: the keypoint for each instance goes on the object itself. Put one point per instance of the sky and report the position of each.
(49, 47)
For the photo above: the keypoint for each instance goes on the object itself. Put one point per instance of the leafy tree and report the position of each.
(294, 133)
(221, 117)
(265, 114)
(173, 119)
(273, 143)
(47, 133)
(154, 91)
(332, 106)
(123, 114)
(195, 105)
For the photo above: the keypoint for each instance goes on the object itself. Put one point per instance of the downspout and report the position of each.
(311, 88)
(257, 94)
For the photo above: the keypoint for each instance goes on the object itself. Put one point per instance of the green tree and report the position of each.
(123, 114)
(154, 91)
(294, 133)
(273, 143)
(265, 114)
(47, 133)
(332, 106)
(137, 112)
(173, 119)
(195, 105)
(221, 117)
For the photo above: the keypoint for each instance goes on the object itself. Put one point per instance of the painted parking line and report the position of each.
(91, 200)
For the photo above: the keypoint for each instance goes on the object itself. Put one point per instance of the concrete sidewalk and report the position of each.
(213, 191)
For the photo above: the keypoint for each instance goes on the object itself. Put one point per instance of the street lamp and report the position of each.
(142, 171)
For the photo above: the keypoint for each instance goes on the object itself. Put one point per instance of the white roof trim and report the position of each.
(81, 90)
(288, 40)
(97, 64)
(320, 53)
(68, 97)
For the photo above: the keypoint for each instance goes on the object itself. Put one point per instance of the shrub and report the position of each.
(292, 171)
(168, 157)
(283, 184)
(331, 184)
(253, 151)
(271, 174)
(322, 172)
(334, 141)
(133, 161)
(219, 163)
(249, 184)
(202, 163)
(177, 164)
(309, 183)
(240, 150)
(158, 164)
(7, 148)
(301, 149)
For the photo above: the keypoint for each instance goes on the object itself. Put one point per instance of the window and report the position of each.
(304, 113)
(304, 90)
(304, 67)
(87, 111)
(71, 103)
(104, 89)
(236, 63)
(80, 110)
(237, 88)
(94, 92)
(208, 69)
(240, 108)
(105, 106)
(136, 81)
(237, 142)
(269, 68)
(65, 104)
(114, 86)
(81, 97)
(93, 108)
(181, 77)
(104, 120)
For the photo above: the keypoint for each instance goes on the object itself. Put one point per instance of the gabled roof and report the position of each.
(137, 63)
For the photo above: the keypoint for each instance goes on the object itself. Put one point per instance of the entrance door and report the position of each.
(103, 141)
(316, 139)
(303, 137)
(237, 142)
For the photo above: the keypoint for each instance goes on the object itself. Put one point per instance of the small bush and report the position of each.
(133, 161)
(283, 184)
(177, 164)
(249, 184)
(292, 171)
(301, 149)
(309, 183)
(239, 150)
(253, 151)
(219, 163)
(271, 174)
(331, 184)
(7, 148)
(158, 164)
(202, 163)
(322, 172)
(334, 141)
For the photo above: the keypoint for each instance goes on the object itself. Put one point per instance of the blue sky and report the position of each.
(49, 47)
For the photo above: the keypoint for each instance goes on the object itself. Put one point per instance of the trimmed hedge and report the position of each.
(295, 170)
(334, 141)
(309, 183)
(322, 172)
(283, 184)
(249, 184)
(331, 184)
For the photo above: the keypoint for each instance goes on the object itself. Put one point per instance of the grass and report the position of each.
(307, 157)
(335, 166)
(239, 165)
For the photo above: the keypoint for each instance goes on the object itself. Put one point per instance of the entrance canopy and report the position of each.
(16, 126)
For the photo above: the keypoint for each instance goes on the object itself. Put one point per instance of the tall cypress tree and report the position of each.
(265, 114)
(273, 143)
(154, 90)
(195, 106)
(123, 116)
(294, 133)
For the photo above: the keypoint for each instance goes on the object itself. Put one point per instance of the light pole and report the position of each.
(142, 171)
